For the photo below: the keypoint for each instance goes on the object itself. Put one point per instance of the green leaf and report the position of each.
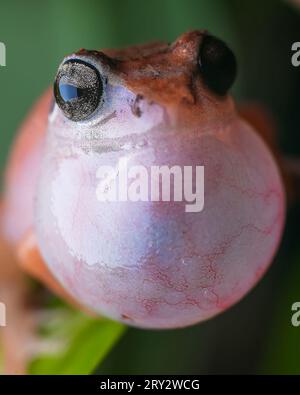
(282, 354)
(79, 344)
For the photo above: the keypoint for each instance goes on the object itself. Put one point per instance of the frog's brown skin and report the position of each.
(165, 74)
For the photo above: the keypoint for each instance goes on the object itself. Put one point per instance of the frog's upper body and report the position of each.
(154, 105)
(145, 86)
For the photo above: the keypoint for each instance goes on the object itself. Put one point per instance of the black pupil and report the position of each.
(69, 92)
(78, 89)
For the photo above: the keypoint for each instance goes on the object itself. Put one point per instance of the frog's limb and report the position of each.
(264, 123)
(18, 339)
(18, 334)
(16, 210)
(33, 263)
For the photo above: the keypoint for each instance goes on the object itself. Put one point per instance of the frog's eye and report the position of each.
(217, 64)
(78, 89)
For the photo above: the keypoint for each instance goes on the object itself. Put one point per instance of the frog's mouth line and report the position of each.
(108, 118)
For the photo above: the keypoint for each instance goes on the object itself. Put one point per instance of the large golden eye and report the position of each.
(78, 89)
(217, 65)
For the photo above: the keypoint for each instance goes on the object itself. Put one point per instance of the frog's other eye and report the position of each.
(217, 64)
(78, 89)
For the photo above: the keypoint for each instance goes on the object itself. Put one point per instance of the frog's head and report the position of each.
(142, 86)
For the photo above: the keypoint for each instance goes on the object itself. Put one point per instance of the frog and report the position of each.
(148, 264)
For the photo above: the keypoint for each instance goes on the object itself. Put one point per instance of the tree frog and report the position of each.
(147, 263)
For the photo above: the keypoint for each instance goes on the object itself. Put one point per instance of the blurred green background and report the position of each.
(255, 336)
